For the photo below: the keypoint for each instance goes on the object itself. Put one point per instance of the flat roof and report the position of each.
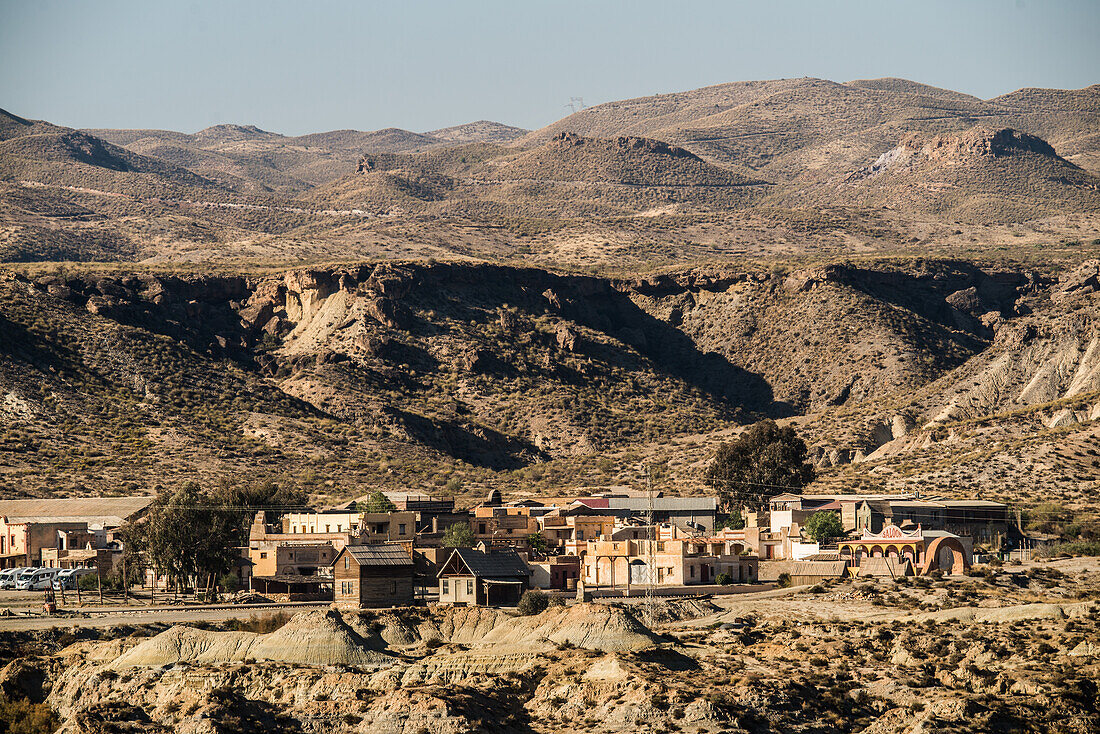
(91, 510)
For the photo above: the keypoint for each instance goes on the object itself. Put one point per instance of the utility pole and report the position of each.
(575, 104)
(651, 550)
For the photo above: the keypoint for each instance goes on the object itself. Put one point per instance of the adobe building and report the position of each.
(283, 559)
(665, 562)
(568, 532)
(509, 525)
(370, 576)
(561, 573)
(28, 526)
(369, 527)
(926, 550)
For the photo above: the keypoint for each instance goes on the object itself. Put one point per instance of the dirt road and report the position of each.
(114, 617)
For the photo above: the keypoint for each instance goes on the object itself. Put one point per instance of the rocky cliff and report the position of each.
(499, 368)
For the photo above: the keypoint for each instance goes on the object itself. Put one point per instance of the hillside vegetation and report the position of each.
(476, 376)
(906, 273)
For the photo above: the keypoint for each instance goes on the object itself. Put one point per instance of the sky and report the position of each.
(299, 67)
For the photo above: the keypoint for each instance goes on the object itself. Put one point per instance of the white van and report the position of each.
(68, 578)
(24, 574)
(9, 575)
(36, 579)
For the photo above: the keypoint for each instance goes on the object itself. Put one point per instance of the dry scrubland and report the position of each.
(1007, 649)
(454, 377)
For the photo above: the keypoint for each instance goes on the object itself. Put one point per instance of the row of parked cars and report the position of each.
(39, 579)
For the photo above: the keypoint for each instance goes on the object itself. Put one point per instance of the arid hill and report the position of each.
(482, 376)
(749, 169)
(782, 127)
(1004, 649)
(980, 175)
(289, 165)
(482, 131)
(568, 176)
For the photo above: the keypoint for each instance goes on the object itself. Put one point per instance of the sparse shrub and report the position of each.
(533, 602)
(24, 717)
(262, 624)
(723, 579)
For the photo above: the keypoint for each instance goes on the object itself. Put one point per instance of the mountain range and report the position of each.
(906, 274)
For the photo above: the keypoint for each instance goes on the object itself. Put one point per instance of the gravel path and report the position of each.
(112, 618)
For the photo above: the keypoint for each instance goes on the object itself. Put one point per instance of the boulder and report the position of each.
(1083, 280)
(566, 338)
(384, 311)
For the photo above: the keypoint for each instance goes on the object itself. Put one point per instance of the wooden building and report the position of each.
(293, 587)
(372, 576)
(483, 578)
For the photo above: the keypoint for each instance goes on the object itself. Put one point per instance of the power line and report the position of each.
(754, 484)
(240, 508)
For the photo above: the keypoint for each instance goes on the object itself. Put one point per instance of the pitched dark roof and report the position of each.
(504, 563)
(379, 555)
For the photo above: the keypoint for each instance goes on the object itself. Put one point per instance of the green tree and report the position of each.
(458, 535)
(377, 502)
(764, 461)
(824, 525)
(537, 543)
(734, 521)
(187, 535)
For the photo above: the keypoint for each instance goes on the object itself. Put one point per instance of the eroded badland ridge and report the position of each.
(413, 374)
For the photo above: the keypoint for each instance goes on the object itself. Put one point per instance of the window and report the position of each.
(326, 528)
(347, 562)
(580, 535)
(693, 571)
(470, 586)
(263, 554)
(338, 526)
(393, 588)
(481, 528)
(445, 586)
(347, 588)
(401, 529)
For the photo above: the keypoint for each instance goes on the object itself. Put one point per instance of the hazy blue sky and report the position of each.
(322, 65)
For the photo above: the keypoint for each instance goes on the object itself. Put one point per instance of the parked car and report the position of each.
(36, 579)
(9, 575)
(68, 578)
